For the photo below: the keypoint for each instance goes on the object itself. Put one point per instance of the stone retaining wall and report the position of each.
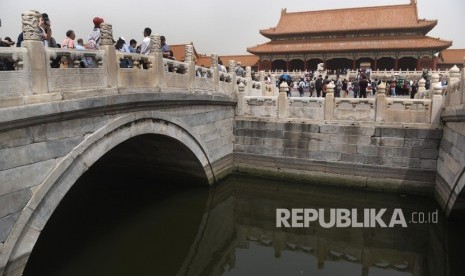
(386, 158)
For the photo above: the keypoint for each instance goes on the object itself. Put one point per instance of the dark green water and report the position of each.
(120, 225)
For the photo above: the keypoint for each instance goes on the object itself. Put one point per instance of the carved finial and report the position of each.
(106, 34)
(232, 66)
(214, 60)
(248, 72)
(283, 11)
(189, 53)
(30, 20)
(155, 43)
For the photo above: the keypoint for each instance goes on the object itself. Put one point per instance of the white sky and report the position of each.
(215, 26)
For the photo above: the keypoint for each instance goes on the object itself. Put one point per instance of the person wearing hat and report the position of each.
(93, 42)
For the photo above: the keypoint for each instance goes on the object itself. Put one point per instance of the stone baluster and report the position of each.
(421, 89)
(248, 77)
(36, 51)
(240, 100)
(156, 57)
(232, 71)
(261, 75)
(282, 100)
(329, 101)
(381, 102)
(436, 105)
(190, 60)
(106, 44)
(454, 75)
(434, 81)
(216, 72)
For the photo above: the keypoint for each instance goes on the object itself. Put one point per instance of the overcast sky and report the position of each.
(214, 26)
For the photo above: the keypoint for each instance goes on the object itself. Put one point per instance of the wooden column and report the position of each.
(396, 65)
(287, 65)
(375, 65)
(353, 64)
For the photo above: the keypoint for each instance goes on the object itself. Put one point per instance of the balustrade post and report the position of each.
(232, 71)
(262, 82)
(36, 52)
(421, 89)
(112, 64)
(381, 102)
(216, 72)
(282, 100)
(436, 105)
(248, 77)
(434, 81)
(189, 59)
(158, 66)
(454, 75)
(240, 100)
(329, 101)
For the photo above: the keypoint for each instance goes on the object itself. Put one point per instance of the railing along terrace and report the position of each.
(39, 74)
(424, 109)
(12, 82)
(455, 91)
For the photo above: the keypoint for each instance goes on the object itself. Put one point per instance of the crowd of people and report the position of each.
(360, 87)
(92, 43)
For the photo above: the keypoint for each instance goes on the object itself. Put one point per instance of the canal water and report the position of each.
(114, 224)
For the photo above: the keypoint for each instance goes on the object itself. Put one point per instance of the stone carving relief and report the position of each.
(214, 60)
(248, 72)
(30, 21)
(155, 43)
(106, 34)
(232, 66)
(189, 53)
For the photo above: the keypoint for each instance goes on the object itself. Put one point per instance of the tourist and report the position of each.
(301, 87)
(145, 45)
(132, 46)
(68, 43)
(93, 42)
(356, 87)
(45, 29)
(80, 44)
(239, 70)
(338, 87)
(363, 85)
(121, 46)
(344, 88)
(414, 88)
(392, 86)
(165, 48)
(221, 67)
(319, 85)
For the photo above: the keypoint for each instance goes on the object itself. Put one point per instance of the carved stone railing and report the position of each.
(361, 109)
(88, 73)
(204, 79)
(176, 73)
(75, 77)
(378, 109)
(14, 84)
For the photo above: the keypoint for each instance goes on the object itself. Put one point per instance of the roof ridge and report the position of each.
(353, 8)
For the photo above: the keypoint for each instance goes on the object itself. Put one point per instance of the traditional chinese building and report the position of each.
(450, 57)
(382, 37)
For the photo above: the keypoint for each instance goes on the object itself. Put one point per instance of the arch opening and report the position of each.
(132, 197)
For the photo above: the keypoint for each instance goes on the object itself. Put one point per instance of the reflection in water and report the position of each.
(230, 230)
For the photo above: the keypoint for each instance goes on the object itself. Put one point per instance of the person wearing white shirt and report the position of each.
(145, 45)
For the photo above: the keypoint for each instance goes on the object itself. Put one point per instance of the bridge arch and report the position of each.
(71, 167)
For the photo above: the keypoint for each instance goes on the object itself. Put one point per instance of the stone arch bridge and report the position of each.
(55, 123)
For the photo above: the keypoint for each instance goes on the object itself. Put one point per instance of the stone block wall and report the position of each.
(386, 158)
(450, 168)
